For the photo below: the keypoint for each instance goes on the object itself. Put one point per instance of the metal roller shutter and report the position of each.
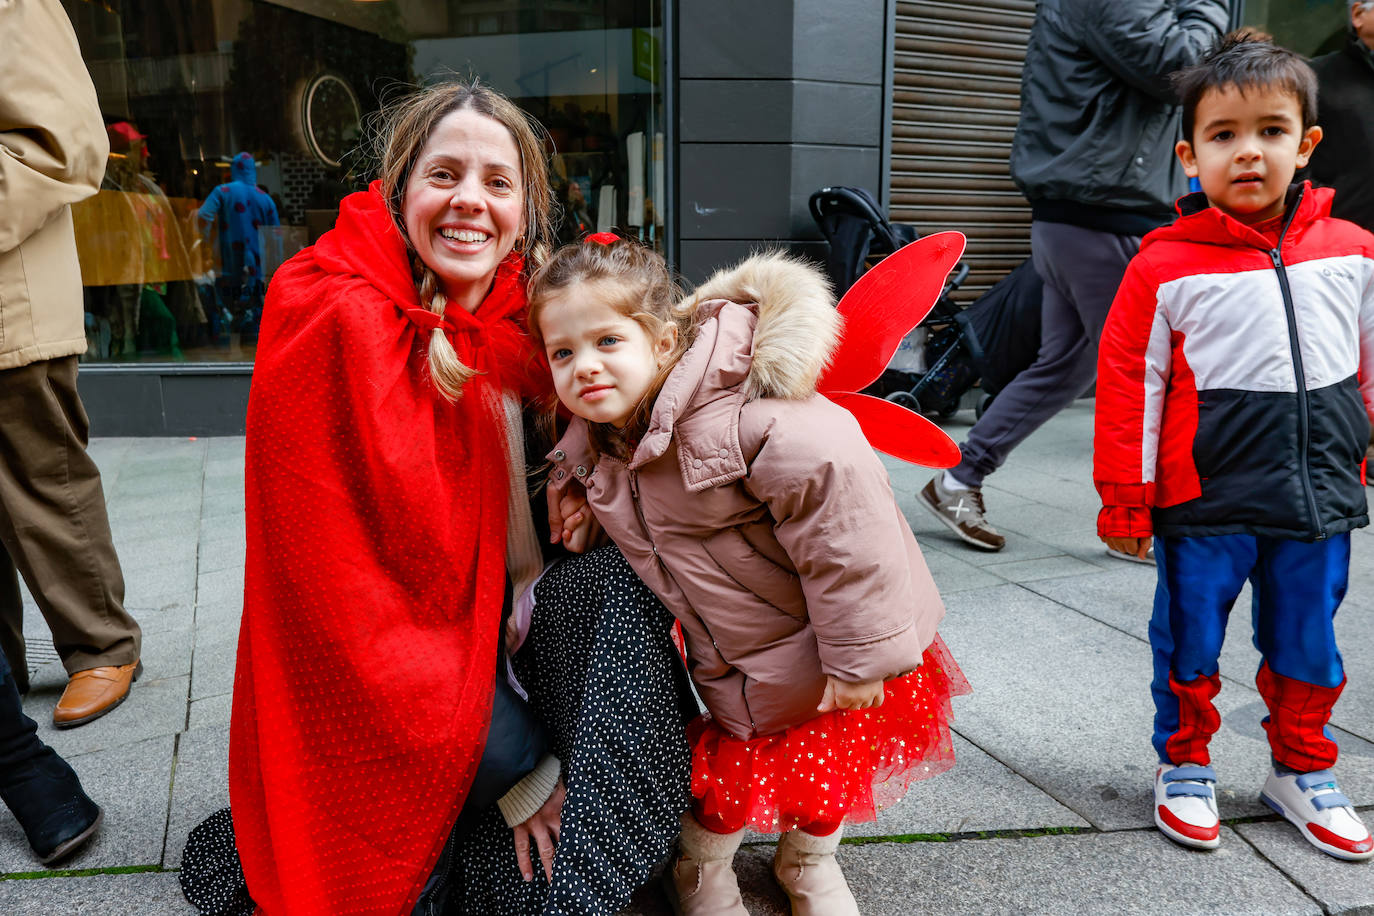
(956, 96)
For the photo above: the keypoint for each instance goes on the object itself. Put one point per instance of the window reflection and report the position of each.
(235, 129)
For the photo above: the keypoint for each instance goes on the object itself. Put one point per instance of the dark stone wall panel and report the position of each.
(730, 39)
(816, 167)
(703, 257)
(205, 405)
(733, 191)
(735, 111)
(839, 42)
(780, 111)
(121, 403)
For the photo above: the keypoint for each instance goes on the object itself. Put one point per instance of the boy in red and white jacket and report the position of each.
(1234, 399)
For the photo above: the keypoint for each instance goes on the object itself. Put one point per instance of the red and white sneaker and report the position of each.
(1313, 803)
(1186, 805)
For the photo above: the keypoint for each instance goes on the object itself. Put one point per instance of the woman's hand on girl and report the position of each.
(544, 826)
(847, 695)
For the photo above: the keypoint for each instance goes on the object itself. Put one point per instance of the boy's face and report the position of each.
(1245, 148)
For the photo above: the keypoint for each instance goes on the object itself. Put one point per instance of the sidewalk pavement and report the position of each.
(1046, 811)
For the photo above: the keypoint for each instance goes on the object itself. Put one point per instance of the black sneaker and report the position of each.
(961, 511)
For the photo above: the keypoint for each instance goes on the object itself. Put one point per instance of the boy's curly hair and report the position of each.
(1246, 59)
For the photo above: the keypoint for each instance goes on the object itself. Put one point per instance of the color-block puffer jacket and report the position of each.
(1236, 378)
(759, 514)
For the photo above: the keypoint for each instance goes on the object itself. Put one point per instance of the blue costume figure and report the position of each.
(238, 208)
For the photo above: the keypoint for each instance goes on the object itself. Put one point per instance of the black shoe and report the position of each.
(47, 799)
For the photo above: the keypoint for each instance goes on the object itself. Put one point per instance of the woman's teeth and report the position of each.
(463, 235)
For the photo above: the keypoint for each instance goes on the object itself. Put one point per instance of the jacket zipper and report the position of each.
(639, 513)
(1300, 378)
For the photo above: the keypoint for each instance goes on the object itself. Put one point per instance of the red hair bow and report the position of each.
(602, 238)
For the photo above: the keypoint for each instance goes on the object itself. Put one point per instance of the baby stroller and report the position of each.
(990, 341)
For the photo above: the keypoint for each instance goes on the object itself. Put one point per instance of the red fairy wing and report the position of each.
(898, 432)
(885, 304)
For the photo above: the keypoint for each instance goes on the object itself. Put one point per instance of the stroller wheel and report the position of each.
(982, 406)
(905, 399)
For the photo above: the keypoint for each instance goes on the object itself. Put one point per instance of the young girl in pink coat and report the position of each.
(757, 511)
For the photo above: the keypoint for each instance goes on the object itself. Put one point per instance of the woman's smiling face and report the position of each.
(464, 203)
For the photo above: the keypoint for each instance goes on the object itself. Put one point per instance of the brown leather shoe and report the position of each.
(93, 692)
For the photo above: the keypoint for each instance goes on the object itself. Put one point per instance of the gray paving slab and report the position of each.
(221, 586)
(167, 654)
(150, 894)
(139, 525)
(200, 786)
(978, 794)
(219, 622)
(219, 504)
(211, 712)
(166, 505)
(1064, 488)
(214, 657)
(160, 585)
(1096, 873)
(152, 552)
(1340, 886)
(1050, 567)
(133, 483)
(1033, 519)
(952, 574)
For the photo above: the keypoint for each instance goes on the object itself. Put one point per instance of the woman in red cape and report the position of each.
(387, 527)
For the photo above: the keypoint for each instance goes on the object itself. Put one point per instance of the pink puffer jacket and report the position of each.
(759, 514)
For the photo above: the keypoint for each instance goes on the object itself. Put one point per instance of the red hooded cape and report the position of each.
(376, 520)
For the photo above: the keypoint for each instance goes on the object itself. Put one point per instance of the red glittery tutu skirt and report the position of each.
(841, 766)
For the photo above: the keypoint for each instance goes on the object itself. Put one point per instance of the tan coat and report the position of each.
(766, 524)
(53, 149)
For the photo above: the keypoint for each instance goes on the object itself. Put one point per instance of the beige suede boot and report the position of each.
(702, 879)
(805, 866)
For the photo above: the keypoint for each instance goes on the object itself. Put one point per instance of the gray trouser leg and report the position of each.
(1082, 269)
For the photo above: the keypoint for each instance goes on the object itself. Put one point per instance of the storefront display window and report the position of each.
(237, 126)
(1310, 27)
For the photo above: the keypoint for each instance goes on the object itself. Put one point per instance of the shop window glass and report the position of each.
(1310, 27)
(236, 128)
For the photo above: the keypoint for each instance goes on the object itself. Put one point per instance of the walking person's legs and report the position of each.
(54, 527)
(1082, 269)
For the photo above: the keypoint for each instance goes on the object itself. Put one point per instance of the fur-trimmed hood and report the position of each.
(797, 328)
(764, 329)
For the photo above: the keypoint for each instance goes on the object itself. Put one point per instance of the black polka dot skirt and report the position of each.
(603, 675)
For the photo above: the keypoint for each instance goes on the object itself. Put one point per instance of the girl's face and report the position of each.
(464, 204)
(603, 362)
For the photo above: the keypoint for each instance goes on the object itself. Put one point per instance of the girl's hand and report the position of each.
(846, 695)
(544, 826)
(1136, 547)
(570, 520)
